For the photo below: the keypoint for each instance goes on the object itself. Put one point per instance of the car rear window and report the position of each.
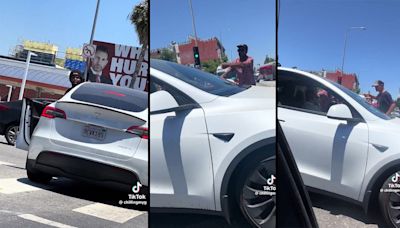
(112, 96)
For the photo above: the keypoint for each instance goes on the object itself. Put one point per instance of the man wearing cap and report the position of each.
(385, 101)
(75, 77)
(243, 66)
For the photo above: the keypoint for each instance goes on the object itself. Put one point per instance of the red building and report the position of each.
(349, 81)
(43, 81)
(210, 49)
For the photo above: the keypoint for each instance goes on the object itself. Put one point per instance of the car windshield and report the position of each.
(361, 101)
(207, 82)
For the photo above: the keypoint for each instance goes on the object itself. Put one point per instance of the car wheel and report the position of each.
(11, 134)
(38, 177)
(389, 200)
(256, 196)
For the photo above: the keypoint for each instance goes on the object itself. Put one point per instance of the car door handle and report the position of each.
(280, 120)
(226, 137)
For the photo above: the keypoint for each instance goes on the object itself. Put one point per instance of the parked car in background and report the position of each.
(96, 133)
(10, 113)
(267, 72)
(212, 145)
(342, 145)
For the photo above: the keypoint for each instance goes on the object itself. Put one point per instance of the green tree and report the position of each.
(224, 58)
(168, 55)
(211, 65)
(268, 60)
(139, 17)
(357, 90)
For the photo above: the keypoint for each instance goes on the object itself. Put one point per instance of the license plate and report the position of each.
(94, 132)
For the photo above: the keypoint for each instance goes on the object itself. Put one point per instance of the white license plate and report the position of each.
(94, 132)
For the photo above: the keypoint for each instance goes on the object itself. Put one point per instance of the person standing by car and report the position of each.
(75, 77)
(385, 101)
(243, 66)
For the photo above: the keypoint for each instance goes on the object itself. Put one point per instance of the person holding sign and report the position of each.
(75, 77)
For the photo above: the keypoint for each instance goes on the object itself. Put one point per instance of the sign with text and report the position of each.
(115, 64)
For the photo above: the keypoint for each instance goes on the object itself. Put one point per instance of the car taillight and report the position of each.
(142, 132)
(51, 112)
(4, 107)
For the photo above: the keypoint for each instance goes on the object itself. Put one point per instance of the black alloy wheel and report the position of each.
(11, 134)
(257, 197)
(389, 200)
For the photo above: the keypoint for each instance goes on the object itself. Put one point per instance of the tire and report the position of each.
(11, 134)
(37, 176)
(389, 202)
(257, 207)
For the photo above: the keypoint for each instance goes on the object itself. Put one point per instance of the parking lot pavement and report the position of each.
(267, 83)
(332, 213)
(158, 220)
(61, 203)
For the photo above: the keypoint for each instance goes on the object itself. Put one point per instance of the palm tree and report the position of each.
(140, 19)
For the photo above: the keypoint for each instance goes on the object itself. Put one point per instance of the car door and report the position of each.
(30, 115)
(295, 208)
(181, 172)
(331, 154)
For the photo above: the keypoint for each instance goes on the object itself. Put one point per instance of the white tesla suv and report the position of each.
(96, 133)
(212, 144)
(342, 145)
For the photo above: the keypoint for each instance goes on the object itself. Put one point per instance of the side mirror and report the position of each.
(340, 112)
(162, 102)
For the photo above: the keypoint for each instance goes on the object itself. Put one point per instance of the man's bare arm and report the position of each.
(391, 108)
(249, 61)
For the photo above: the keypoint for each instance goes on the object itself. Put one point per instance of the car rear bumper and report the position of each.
(137, 164)
(57, 164)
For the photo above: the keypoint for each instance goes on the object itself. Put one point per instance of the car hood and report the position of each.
(255, 98)
(261, 92)
(384, 127)
(394, 123)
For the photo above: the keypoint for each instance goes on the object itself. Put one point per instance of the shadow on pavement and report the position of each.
(88, 192)
(190, 221)
(340, 207)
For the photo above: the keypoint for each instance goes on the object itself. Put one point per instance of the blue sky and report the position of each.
(311, 36)
(65, 23)
(232, 21)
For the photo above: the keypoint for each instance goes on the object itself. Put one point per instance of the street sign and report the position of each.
(88, 50)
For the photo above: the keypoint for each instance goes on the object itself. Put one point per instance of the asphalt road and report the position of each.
(68, 203)
(61, 203)
(332, 213)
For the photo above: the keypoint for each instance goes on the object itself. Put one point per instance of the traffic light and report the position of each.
(196, 56)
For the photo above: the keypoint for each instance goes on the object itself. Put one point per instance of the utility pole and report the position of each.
(196, 53)
(91, 38)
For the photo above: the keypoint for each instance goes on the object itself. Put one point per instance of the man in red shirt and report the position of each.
(243, 67)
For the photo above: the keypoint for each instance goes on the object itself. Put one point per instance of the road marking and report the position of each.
(44, 221)
(108, 212)
(6, 163)
(12, 185)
